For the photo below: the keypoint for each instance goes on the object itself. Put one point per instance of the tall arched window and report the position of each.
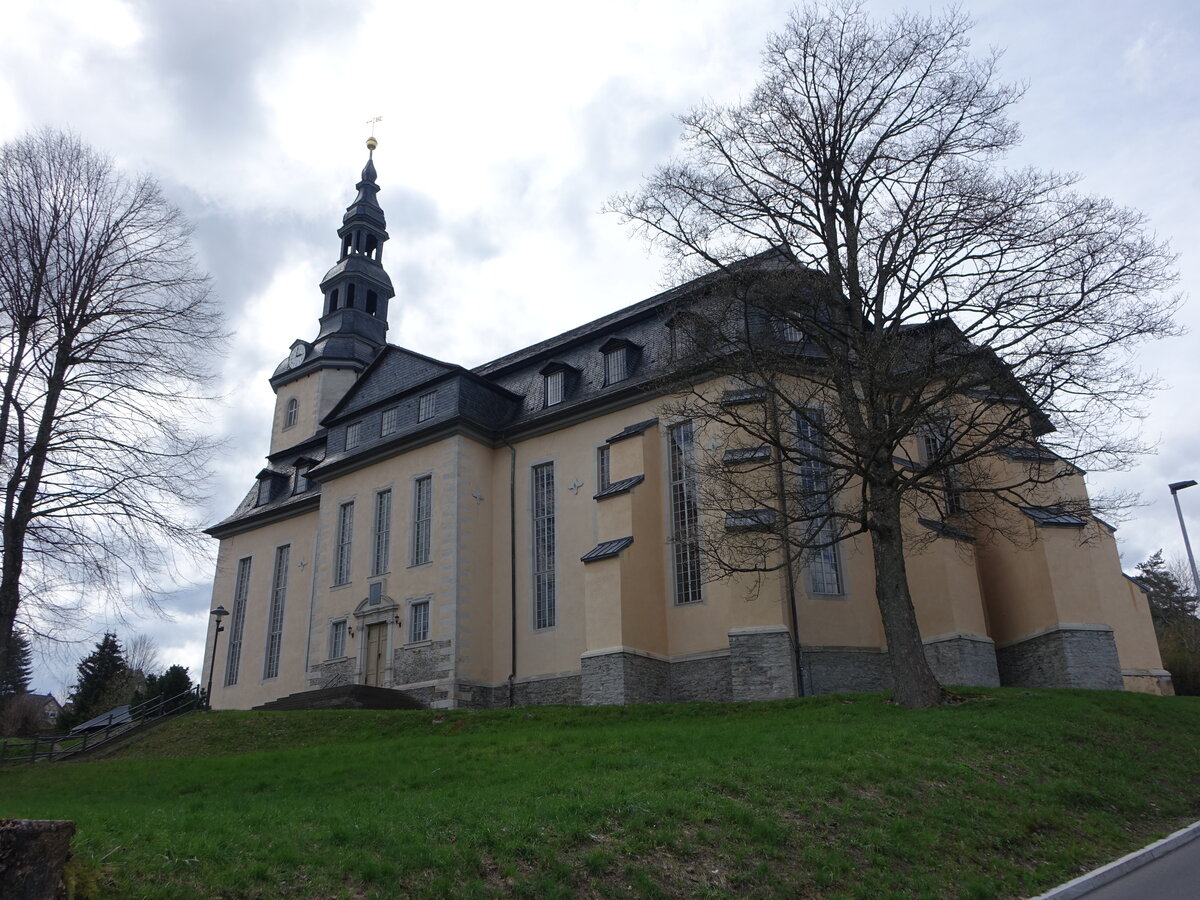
(289, 417)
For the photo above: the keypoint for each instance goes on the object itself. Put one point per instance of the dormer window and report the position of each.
(620, 359)
(353, 435)
(289, 416)
(790, 332)
(391, 420)
(558, 380)
(614, 365)
(683, 335)
(426, 404)
(553, 387)
(263, 495)
(302, 484)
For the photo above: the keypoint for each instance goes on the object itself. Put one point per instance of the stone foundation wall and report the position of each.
(762, 665)
(845, 670)
(624, 677)
(1148, 681)
(964, 659)
(432, 696)
(430, 662)
(334, 673)
(561, 690)
(1065, 656)
(705, 679)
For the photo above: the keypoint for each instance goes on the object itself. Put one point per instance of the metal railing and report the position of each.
(47, 748)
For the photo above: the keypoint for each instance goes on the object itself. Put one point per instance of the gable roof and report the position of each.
(395, 370)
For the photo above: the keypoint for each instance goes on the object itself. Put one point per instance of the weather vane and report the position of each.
(371, 142)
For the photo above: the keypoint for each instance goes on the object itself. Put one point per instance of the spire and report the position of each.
(356, 292)
(365, 207)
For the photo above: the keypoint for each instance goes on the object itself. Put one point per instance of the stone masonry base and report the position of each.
(966, 659)
(1063, 656)
(760, 665)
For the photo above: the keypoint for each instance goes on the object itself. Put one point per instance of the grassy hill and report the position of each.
(1004, 795)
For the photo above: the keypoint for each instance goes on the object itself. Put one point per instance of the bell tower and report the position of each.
(353, 323)
(357, 289)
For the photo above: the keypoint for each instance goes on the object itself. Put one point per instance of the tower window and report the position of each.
(350, 296)
(372, 245)
(346, 246)
(289, 417)
(372, 302)
(333, 300)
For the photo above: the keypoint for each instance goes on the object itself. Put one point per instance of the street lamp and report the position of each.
(219, 613)
(1175, 489)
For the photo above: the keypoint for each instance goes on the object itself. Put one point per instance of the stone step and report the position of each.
(346, 696)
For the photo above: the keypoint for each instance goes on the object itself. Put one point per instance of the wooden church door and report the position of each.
(376, 648)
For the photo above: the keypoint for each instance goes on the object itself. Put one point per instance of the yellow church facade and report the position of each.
(525, 532)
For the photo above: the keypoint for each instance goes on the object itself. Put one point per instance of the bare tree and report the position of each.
(141, 655)
(915, 327)
(106, 337)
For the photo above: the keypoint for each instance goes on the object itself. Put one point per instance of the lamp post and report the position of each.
(219, 613)
(1175, 489)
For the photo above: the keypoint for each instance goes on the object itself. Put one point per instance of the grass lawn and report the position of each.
(1004, 795)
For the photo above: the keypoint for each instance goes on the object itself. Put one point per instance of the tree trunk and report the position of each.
(916, 686)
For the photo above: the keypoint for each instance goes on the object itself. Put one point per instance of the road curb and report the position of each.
(1097, 878)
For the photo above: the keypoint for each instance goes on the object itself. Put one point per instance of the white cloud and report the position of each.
(506, 127)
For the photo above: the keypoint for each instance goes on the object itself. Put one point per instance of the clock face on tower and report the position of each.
(297, 357)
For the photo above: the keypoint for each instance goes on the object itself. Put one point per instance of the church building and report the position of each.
(525, 532)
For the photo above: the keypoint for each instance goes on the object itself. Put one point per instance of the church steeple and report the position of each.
(357, 289)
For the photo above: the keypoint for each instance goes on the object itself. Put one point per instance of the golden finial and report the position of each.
(371, 142)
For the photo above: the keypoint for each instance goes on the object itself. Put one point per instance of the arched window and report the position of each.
(289, 417)
(350, 296)
(372, 302)
(333, 300)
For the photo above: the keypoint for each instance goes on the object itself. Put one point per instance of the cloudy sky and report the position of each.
(506, 126)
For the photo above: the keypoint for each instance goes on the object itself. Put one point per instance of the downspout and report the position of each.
(788, 557)
(512, 567)
(312, 595)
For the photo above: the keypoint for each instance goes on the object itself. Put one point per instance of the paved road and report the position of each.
(1173, 876)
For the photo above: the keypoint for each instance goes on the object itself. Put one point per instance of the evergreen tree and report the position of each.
(1170, 601)
(171, 683)
(20, 667)
(96, 671)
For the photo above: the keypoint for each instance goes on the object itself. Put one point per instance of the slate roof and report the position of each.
(500, 400)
